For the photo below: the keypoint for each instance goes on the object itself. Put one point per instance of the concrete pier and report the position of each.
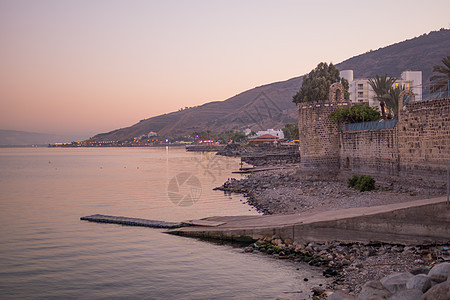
(411, 223)
(132, 221)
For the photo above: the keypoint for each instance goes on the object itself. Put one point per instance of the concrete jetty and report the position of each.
(132, 221)
(410, 223)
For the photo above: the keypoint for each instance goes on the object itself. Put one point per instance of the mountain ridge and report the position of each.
(270, 105)
(26, 138)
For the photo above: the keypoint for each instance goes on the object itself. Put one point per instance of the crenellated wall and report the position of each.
(318, 134)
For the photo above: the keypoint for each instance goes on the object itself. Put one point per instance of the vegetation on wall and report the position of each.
(355, 114)
(317, 83)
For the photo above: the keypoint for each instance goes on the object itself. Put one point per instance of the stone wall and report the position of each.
(424, 137)
(418, 145)
(370, 151)
(319, 135)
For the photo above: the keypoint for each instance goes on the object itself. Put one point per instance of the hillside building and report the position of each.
(277, 133)
(361, 91)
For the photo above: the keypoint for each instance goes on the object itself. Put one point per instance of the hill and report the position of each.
(417, 54)
(270, 106)
(24, 138)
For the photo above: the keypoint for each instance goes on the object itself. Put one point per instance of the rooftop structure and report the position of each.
(264, 139)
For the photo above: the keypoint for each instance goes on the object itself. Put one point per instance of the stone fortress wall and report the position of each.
(419, 144)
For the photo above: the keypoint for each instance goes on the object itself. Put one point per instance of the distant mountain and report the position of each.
(23, 138)
(417, 54)
(270, 106)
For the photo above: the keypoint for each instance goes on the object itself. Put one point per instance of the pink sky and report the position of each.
(93, 66)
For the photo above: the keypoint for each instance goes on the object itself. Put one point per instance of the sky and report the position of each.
(89, 66)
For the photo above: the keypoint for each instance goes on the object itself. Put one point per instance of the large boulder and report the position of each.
(413, 294)
(374, 290)
(338, 295)
(420, 282)
(438, 292)
(396, 281)
(440, 272)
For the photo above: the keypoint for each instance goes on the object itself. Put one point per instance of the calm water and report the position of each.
(47, 252)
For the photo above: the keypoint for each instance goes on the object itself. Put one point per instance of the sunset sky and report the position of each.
(90, 66)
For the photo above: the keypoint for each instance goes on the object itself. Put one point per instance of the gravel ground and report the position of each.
(289, 190)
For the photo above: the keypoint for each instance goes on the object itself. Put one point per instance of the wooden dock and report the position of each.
(132, 221)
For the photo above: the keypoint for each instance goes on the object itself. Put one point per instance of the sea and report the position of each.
(47, 252)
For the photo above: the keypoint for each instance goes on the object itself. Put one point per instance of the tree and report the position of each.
(203, 135)
(441, 81)
(381, 86)
(391, 99)
(231, 135)
(316, 84)
(290, 131)
(239, 137)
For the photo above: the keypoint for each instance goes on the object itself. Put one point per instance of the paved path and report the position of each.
(250, 222)
(415, 222)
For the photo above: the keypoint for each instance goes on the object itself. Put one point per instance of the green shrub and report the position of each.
(355, 114)
(362, 183)
(352, 181)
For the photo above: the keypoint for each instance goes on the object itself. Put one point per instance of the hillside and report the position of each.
(417, 54)
(270, 106)
(23, 138)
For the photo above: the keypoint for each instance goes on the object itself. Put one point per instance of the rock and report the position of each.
(329, 272)
(338, 295)
(346, 262)
(440, 272)
(374, 289)
(413, 294)
(248, 249)
(438, 292)
(420, 270)
(318, 290)
(420, 282)
(396, 281)
(278, 242)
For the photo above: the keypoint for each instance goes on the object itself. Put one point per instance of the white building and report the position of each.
(361, 91)
(277, 133)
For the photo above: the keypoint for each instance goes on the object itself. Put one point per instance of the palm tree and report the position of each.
(391, 99)
(381, 86)
(441, 81)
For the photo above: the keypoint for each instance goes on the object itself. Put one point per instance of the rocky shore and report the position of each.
(364, 271)
(356, 268)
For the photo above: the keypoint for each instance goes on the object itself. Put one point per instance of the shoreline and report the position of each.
(289, 190)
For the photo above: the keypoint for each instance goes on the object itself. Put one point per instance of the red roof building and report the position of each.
(264, 139)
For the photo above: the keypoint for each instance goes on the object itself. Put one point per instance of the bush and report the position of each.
(362, 183)
(355, 114)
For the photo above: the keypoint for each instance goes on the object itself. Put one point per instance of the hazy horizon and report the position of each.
(75, 67)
